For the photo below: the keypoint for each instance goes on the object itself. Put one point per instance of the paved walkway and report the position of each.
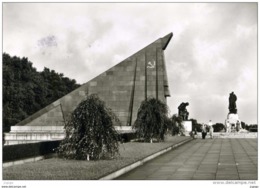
(209, 159)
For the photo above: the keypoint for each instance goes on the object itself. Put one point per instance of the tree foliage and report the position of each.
(151, 120)
(218, 127)
(25, 91)
(243, 125)
(90, 133)
(176, 127)
(252, 128)
(195, 125)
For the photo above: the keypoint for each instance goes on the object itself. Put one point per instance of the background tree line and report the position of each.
(25, 90)
(219, 127)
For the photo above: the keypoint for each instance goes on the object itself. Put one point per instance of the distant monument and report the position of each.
(232, 103)
(184, 114)
(233, 124)
(183, 111)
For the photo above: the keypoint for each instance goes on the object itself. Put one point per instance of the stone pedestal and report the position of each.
(233, 123)
(187, 125)
(32, 134)
(124, 129)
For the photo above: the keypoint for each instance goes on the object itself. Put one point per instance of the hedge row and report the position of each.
(22, 151)
(127, 137)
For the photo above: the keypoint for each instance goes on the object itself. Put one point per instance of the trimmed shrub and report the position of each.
(127, 137)
(177, 127)
(151, 120)
(90, 133)
(23, 151)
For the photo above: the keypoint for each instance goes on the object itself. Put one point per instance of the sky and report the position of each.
(212, 53)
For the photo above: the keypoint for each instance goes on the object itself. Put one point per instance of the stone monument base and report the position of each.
(124, 129)
(32, 134)
(187, 125)
(233, 123)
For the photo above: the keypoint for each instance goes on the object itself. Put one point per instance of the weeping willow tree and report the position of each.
(152, 120)
(90, 133)
(177, 126)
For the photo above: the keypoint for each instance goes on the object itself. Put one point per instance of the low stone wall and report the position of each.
(33, 134)
(30, 152)
(18, 152)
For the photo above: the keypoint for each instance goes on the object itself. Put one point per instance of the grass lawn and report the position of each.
(61, 169)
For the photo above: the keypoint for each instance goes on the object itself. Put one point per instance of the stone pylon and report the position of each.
(122, 87)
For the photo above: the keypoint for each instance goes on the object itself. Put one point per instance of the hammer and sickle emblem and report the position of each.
(151, 65)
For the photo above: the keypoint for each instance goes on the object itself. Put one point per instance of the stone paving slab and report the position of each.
(209, 159)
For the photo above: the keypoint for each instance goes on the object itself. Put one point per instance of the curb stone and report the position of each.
(26, 160)
(132, 166)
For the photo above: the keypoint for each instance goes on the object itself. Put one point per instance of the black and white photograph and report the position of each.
(149, 93)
